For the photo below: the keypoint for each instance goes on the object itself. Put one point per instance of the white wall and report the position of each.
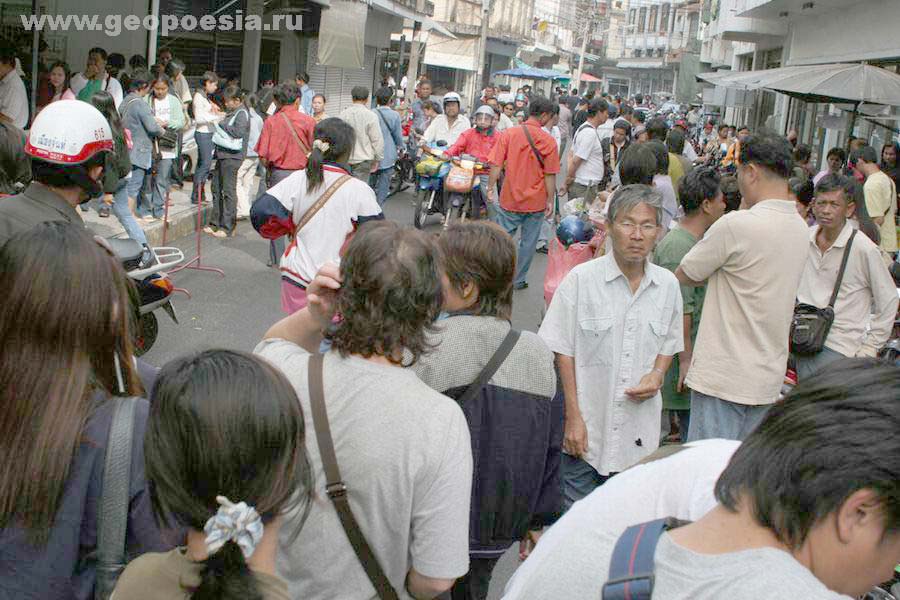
(79, 42)
(863, 30)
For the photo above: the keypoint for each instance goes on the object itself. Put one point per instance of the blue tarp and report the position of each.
(531, 73)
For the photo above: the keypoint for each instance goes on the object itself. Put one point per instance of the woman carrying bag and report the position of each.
(230, 139)
(169, 113)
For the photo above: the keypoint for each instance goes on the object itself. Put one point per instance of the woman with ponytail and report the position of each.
(229, 471)
(319, 207)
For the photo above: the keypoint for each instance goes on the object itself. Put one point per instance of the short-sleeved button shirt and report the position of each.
(523, 189)
(881, 201)
(615, 337)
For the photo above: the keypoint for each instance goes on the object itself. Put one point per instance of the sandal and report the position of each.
(103, 211)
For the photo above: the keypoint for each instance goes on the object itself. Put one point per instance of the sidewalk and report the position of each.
(182, 219)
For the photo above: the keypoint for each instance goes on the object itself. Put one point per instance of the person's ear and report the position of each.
(469, 292)
(858, 515)
(851, 209)
(96, 172)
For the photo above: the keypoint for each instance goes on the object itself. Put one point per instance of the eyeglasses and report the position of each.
(629, 228)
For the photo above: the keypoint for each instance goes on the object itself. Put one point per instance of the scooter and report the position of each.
(430, 186)
(153, 286)
(462, 204)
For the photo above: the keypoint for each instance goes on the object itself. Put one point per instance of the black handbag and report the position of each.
(810, 324)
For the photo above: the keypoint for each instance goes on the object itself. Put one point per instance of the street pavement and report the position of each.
(235, 311)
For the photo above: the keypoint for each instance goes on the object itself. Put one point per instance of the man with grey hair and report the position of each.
(614, 325)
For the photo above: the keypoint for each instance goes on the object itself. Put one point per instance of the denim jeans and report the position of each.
(161, 184)
(136, 182)
(807, 366)
(579, 479)
(205, 149)
(530, 226)
(713, 417)
(382, 185)
(123, 213)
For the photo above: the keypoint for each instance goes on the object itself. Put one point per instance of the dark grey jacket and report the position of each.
(138, 119)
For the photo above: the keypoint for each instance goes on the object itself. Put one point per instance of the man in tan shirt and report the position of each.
(867, 295)
(881, 195)
(753, 260)
(368, 147)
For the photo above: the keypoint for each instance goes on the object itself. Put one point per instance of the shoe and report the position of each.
(521, 286)
(103, 211)
(542, 250)
(148, 218)
(209, 229)
(220, 234)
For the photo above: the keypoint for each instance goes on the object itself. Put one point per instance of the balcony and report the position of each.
(742, 29)
(646, 40)
(776, 9)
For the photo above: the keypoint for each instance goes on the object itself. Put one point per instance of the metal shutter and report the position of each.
(335, 82)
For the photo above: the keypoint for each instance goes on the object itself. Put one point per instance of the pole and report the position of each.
(400, 61)
(35, 52)
(153, 35)
(412, 73)
(587, 29)
(482, 53)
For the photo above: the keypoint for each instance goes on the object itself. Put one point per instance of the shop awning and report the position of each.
(399, 10)
(451, 52)
(641, 64)
(588, 78)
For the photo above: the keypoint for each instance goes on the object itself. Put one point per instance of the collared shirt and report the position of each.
(524, 190)
(277, 144)
(881, 201)
(391, 133)
(110, 84)
(753, 260)
(369, 144)
(503, 123)
(867, 295)
(13, 99)
(615, 336)
(36, 205)
(440, 129)
(588, 147)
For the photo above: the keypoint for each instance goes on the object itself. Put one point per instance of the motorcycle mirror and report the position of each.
(441, 142)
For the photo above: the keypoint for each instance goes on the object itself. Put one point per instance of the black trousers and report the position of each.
(475, 584)
(224, 213)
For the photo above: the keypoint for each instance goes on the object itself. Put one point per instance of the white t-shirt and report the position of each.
(588, 148)
(565, 563)
(321, 239)
(162, 109)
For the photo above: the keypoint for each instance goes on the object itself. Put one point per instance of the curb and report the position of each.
(181, 224)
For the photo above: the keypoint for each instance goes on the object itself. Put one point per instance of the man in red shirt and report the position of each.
(286, 139)
(531, 159)
(478, 142)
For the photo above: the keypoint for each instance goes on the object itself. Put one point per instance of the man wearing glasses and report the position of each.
(614, 325)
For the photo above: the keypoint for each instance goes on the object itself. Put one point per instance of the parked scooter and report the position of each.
(153, 286)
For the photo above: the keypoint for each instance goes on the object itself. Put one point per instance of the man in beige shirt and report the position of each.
(753, 260)
(867, 295)
(368, 148)
(881, 195)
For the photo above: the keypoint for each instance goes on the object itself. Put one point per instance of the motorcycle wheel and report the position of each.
(148, 331)
(421, 210)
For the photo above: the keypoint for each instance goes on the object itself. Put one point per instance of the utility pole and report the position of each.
(589, 23)
(482, 53)
(412, 73)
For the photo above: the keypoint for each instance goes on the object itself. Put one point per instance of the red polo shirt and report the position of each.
(277, 144)
(523, 188)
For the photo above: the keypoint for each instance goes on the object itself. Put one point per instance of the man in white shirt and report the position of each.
(753, 260)
(448, 126)
(13, 99)
(807, 509)
(96, 69)
(614, 325)
(586, 164)
(867, 295)
(368, 146)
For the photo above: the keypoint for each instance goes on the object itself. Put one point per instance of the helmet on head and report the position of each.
(484, 110)
(452, 97)
(573, 230)
(69, 132)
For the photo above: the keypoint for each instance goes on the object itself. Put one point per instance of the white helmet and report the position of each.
(452, 97)
(69, 132)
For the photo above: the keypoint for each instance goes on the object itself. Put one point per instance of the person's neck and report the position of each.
(695, 224)
(451, 120)
(261, 561)
(827, 236)
(722, 531)
(360, 102)
(633, 271)
(869, 170)
(379, 359)
(767, 191)
(72, 196)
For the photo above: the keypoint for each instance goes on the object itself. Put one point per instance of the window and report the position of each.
(652, 25)
(642, 18)
(664, 17)
(632, 13)
(637, 53)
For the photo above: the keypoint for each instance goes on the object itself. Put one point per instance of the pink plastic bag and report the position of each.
(560, 261)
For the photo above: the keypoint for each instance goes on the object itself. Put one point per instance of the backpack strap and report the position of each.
(112, 520)
(491, 367)
(632, 563)
(335, 486)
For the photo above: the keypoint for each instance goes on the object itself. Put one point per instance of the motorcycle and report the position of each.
(430, 186)
(403, 171)
(462, 189)
(153, 286)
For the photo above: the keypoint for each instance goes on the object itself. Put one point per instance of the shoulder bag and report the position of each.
(491, 367)
(810, 324)
(312, 210)
(335, 486)
(533, 147)
(223, 140)
(169, 138)
(303, 147)
(632, 563)
(112, 520)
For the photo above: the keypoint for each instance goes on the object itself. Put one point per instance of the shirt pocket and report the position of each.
(654, 336)
(597, 345)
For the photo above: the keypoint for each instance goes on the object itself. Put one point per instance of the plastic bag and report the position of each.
(575, 206)
(459, 180)
(560, 261)
(429, 166)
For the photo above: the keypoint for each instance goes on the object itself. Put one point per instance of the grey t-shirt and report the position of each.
(404, 452)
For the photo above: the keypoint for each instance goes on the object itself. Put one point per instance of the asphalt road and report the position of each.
(235, 311)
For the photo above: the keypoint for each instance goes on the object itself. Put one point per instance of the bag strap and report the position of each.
(303, 147)
(335, 486)
(491, 367)
(632, 563)
(533, 147)
(312, 210)
(840, 277)
(112, 520)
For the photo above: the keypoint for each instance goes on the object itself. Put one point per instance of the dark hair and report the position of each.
(802, 189)
(541, 105)
(383, 96)
(896, 148)
(732, 192)
(769, 151)
(723, 126)
(164, 49)
(700, 184)
(65, 317)
(834, 434)
(322, 96)
(208, 77)
(625, 110)
(639, 98)
(160, 77)
(303, 76)
(100, 51)
(391, 293)
(839, 152)
(640, 116)
(866, 224)
(65, 67)
(657, 129)
(340, 137)
(638, 165)
(285, 94)
(802, 153)
(834, 182)
(623, 125)
(505, 104)
(174, 67)
(675, 141)
(661, 153)
(743, 127)
(596, 106)
(251, 101)
(866, 153)
(359, 92)
(204, 439)
(68, 176)
(116, 61)
(233, 92)
(137, 61)
(482, 253)
(140, 79)
(7, 52)
(106, 104)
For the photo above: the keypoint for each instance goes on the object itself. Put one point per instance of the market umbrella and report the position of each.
(530, 73)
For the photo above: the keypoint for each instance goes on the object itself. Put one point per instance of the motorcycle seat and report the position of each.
(128, 251)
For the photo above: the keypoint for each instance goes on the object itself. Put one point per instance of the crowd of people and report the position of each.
(394, 435)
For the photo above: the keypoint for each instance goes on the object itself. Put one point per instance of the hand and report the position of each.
(575, 442)
(562, 190)
(374, 167)
(548, 212)
(647, 388)
(322, 292)
(684, 364)
(528, 543)
(490, 193)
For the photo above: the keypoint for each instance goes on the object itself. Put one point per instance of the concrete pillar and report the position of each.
(252, 47)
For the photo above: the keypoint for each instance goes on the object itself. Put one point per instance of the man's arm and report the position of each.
(884, 305)
(650, 383)
(492, 180)
(305, 326)
(550, 186)
(426, 588)
(685, 280)
(685, 356)
(575, 437)
(374, 131)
